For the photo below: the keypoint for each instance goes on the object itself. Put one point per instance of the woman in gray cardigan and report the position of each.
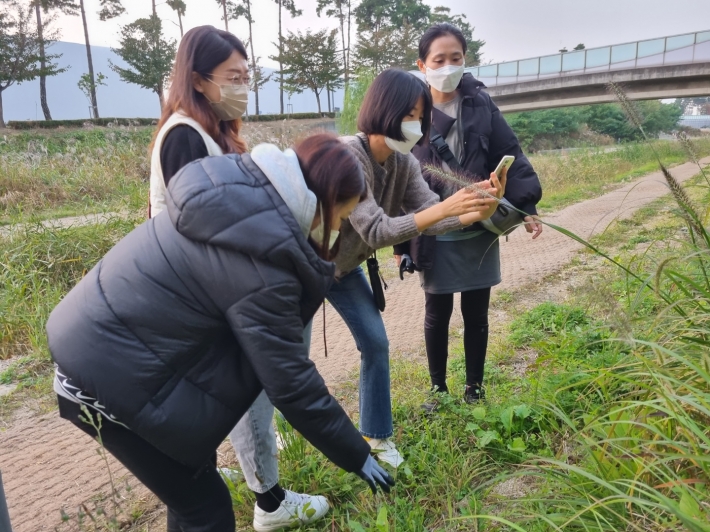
(395, 115)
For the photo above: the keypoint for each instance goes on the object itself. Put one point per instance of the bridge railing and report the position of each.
(677, 49)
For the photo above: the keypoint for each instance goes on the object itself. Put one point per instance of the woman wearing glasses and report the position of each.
(202, 117)
(202, 114)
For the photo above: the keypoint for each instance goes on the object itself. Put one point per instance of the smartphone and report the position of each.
(506, 162)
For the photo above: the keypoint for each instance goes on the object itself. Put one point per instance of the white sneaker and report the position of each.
(385, 451)
(296, 509)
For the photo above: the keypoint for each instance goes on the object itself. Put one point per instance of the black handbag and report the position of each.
(504, 220)
(376, 282)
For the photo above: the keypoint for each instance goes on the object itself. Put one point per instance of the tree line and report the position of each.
(558, 128)
(386, 35)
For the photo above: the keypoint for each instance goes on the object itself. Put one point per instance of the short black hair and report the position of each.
(436, 31)
(390, 98)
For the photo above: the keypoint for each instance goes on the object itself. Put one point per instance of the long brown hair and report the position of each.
(201, 50)
(334, 175)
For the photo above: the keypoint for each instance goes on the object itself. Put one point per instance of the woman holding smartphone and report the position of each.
(467, 122)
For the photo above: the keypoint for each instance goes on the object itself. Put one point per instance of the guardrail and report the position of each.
(677, 49)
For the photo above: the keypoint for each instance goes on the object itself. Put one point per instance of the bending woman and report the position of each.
(202, 116)
(180, 326)
(464, 261)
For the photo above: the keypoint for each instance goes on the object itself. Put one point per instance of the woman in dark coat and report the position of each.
(175, 332)
(466, 261)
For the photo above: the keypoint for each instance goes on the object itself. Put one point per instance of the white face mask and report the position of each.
(317, 233)
(232, 103)
(412, 131)
(446, 78)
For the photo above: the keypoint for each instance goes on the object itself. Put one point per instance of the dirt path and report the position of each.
(48, 465)
(69, 221)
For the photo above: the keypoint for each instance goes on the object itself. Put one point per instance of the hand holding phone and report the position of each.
(506, 162)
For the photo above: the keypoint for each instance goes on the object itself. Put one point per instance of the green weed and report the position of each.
(39, 266)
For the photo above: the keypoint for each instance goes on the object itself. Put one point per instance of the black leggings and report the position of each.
(196, 502)
(474, 308)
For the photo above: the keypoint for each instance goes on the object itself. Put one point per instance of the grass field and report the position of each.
(68, 172)
(63, 173)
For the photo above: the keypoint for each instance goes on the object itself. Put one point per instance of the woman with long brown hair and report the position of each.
(207, 97)
(202, 117)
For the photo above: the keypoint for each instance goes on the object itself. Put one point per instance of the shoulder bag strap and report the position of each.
(445, 153)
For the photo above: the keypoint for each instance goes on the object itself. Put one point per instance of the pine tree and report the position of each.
(21, 58)
(179, 7)
(342, 10)
(290, 6)
(109, 9)
(47, 7)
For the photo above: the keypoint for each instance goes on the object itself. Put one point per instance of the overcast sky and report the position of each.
(512, 29)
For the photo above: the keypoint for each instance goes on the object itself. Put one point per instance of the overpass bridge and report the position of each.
(667, 67)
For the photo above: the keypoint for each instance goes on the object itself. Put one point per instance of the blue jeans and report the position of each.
(254, 440)
(352, 298)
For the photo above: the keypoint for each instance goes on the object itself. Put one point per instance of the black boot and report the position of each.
(474, 393)
(432, 405)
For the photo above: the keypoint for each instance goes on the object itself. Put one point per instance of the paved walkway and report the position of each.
(47, 464)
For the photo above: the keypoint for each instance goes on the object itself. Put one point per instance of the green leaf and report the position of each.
(522, 411)
(479, 413)
(355, 526)
(506, 417)
(407, 472)
(517, 445)
(472, 427)
(487, 437)
(381, 524)
(689, 506)
(310, 512)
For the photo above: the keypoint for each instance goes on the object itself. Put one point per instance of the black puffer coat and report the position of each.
(487, 137)
(177, 329)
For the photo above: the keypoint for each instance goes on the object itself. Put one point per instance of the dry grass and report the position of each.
(61, 173)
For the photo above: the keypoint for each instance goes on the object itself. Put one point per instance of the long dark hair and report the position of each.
(392, 95)
(436, 31)
(201, 50)
(334, 175)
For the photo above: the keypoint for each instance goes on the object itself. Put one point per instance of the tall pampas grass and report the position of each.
(689, 211)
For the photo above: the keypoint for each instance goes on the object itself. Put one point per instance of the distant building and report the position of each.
(117, 98)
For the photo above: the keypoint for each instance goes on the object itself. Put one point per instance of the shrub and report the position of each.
(292, 116)
(54, 124)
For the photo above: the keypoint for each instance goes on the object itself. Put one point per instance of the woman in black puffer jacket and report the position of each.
(179, 327)
(464, 261)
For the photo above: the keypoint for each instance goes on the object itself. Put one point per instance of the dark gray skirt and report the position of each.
(463, 265)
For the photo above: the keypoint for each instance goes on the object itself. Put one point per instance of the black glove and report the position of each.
(375, 475)
(406, 265)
